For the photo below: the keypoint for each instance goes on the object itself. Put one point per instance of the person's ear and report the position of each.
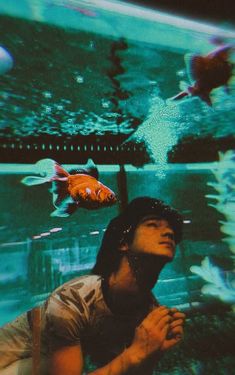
(124, 246)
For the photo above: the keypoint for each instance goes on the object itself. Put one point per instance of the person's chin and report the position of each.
(169, 256)
(167, 252)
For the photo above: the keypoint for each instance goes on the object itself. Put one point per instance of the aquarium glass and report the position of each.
(95, 80)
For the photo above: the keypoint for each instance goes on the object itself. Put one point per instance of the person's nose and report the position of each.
(168, 233)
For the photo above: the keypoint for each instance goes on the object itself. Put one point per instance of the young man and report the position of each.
(109, 318)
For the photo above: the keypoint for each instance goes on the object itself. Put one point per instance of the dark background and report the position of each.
(208, 10)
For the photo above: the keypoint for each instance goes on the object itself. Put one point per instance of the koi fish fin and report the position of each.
(66, 208)
(34, 180)
(194, 66)
(206, 98)
(59, 192)
(184, 87)
(90, 168)
(179, 96)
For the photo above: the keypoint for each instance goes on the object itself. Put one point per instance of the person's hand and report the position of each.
(175, 331)
(151, 334)
(159, 331)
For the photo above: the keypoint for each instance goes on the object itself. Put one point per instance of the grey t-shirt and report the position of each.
(75, 313)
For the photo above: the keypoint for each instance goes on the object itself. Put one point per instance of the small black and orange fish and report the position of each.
(207, 72)
(79, 188)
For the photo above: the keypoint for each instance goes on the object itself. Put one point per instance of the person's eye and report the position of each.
(152, 223)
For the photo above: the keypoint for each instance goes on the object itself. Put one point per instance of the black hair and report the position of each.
(121, 229)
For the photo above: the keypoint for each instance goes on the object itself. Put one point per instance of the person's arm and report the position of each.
(150, 338)
(66, 361)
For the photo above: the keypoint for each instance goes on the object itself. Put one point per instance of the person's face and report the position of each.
(154, 236)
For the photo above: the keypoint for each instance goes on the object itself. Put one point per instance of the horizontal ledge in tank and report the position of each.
(9, 168)
(108, 149)
(131, 21)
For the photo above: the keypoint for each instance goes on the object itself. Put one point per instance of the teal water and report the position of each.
(82, 70)
(49, 250)
(77, 75)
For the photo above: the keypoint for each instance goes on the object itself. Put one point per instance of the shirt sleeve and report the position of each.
(66, 317)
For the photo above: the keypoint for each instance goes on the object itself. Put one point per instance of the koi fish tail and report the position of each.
(33, 180)
(49, 170)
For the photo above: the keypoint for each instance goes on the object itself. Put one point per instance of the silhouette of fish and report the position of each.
(207, 73)
(79, 188)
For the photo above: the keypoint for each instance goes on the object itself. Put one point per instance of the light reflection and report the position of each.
(36, 237)
(54, 230)
(48, 233)
(94, 232)
(45, 234)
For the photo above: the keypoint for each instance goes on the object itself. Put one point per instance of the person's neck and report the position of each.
(125, 302)
(122, 293)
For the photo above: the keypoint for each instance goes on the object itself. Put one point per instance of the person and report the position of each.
(107, 321)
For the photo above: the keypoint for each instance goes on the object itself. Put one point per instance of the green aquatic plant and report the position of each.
(225, 197)
(219, 283)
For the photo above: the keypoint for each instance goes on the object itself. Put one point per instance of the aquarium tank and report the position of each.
(98, 81)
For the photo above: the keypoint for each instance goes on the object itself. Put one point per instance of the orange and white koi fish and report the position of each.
(208, 72)
(79, 188)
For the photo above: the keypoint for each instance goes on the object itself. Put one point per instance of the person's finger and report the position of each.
(168, 343)
(164, 331)
(164, 321)
(175, 323)
(175, 332)
(177, 315)
(155, 315)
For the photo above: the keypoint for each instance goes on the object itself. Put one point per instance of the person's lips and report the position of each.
(167, 243)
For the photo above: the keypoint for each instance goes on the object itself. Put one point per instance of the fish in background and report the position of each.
(79, 188)
(207, 73)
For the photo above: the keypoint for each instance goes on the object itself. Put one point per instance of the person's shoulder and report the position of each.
(85, 281)
(80, 286)
(75, 296)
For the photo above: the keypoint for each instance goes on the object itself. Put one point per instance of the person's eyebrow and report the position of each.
(156, 218)
(151, 217)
